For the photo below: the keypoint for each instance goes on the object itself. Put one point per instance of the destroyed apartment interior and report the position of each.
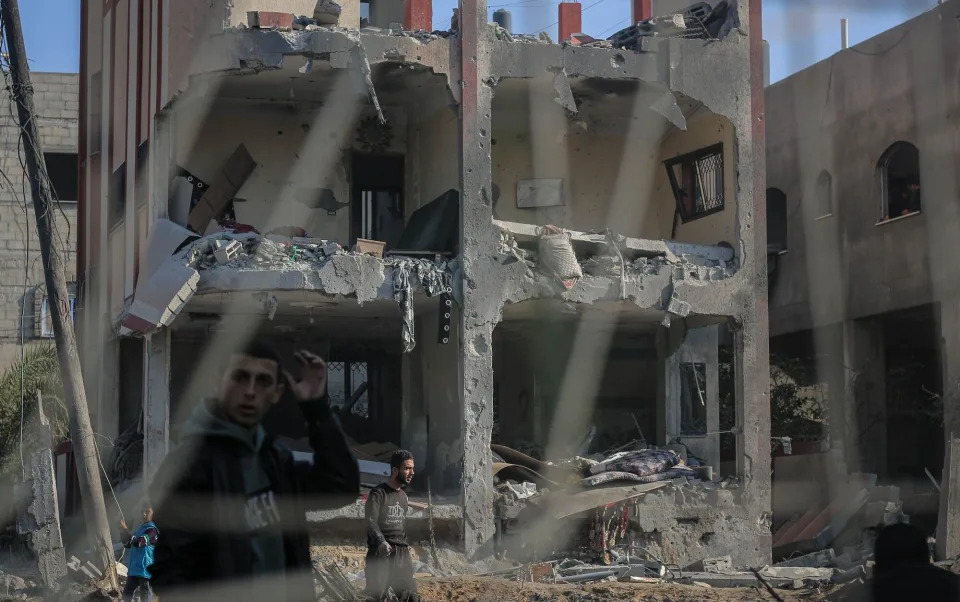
(541, 266)
(571, 266)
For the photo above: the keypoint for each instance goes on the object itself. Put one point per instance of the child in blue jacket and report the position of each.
(140, 543)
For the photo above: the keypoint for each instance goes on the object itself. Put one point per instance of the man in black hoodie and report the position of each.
(232, 500)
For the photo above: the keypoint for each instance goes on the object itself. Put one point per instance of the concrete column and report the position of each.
(569, 19)
(418, 15)
(641, 10)
(948, 525)
(477, 244)
(156, 400)
(866, 394)
(752, 337)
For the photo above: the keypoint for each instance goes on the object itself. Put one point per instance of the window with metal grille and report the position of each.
(693, 399)
(697, 182)
(344, 380)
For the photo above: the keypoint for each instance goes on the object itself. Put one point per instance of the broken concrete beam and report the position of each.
(819, 559)
(162, 297)
(260, 19)
(797, 572)
(165, 238)
(630, 246)
(731, 580)
(223, 188)
(718, 564)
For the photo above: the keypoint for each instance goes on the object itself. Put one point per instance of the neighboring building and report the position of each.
(23, 307)
(862, 211)
(452, 149)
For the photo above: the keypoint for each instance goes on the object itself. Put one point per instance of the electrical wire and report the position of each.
(25, 231)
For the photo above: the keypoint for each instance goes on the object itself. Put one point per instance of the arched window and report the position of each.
(824, 192)
(776, 221)
(899, 175)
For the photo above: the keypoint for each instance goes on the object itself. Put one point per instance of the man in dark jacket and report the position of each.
(231, 498)
(388, 563)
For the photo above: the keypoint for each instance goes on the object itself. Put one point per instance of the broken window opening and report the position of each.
(697, 182)
(364, 14)
(899, 174)
(347, 384)
(693, 399)
(377, 212)
(824, 197)
(776, 221)
(62, 174)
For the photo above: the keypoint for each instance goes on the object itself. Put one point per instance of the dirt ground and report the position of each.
(488, 589)
(466, 588)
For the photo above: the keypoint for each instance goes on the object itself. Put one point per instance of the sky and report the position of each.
(800, 32)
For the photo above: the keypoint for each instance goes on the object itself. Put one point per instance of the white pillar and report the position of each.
(156, 400)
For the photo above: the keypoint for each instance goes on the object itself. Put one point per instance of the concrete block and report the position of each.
(259, 19)
(797, 572)
(227, 250)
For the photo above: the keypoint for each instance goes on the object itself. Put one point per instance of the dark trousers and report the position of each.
(394, 571)
(135, 583)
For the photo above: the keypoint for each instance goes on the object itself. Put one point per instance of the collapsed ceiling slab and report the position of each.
(251, 51)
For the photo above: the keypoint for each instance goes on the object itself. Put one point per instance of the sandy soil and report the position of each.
(488, 589)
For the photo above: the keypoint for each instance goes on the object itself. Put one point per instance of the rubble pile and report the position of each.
(698, 21)
(525, 38)
(612, 260)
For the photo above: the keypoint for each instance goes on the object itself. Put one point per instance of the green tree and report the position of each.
(37, 370)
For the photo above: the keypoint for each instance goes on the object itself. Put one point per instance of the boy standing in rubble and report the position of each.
(231, 498)
(389, 565)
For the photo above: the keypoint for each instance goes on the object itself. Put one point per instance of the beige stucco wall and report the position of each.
(611, 181)
(703, 131)
(277, 139)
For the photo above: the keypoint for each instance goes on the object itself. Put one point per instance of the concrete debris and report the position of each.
(226, 251)
(667, 106)
(270, 20)
(678, 307)
(368, 79)
(327, 12)
(718, 564)
(505, 36)
(565, 95)
(433, 281)
(557, 256)
(41, 519)
(434, 277)
(692, 24)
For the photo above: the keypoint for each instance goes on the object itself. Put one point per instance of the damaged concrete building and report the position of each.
(492, 238)
(863, 285)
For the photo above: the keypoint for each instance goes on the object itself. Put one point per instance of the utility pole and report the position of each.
(81, 433)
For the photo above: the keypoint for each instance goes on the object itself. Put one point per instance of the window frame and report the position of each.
(883, 181)
(691, 158)
(48, 333)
